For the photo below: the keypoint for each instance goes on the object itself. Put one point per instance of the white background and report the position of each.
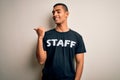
(98, 21)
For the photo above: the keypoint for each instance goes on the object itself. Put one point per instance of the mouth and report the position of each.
(56, 18)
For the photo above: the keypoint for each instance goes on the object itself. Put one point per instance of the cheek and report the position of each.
(63, 16)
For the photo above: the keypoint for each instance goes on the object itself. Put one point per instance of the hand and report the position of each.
(40, 31)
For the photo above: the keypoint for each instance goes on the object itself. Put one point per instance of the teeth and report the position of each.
(56, 18)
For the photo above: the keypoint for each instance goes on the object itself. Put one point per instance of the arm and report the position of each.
(40, 52)
(79, 65)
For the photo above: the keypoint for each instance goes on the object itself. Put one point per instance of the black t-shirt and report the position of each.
(61, 49)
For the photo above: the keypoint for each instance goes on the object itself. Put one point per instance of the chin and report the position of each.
(57, 23)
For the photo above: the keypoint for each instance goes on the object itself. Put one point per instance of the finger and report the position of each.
(35, 29)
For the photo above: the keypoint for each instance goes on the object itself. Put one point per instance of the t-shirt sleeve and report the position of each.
(44, 44)
(80, 48)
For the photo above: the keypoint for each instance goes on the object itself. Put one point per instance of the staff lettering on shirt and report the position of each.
(56, 42)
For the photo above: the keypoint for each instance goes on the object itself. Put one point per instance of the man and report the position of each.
(58, 48)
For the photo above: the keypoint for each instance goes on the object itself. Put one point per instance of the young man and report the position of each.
(58, 48)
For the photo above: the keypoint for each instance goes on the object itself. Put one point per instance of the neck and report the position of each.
(62, 28)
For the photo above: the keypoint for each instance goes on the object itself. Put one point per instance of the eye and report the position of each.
(58, 12)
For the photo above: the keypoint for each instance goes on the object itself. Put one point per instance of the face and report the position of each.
(59, 14)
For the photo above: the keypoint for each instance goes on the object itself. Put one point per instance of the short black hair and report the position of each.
(62, 4)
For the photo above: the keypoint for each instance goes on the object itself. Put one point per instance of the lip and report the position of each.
(56, 18)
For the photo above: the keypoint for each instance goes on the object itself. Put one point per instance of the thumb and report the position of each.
(35, 29)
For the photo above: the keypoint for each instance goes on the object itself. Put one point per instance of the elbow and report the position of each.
(41, 62)
(41, 59)
(81, 63)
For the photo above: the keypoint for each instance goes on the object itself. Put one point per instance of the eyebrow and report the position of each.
(56, 10)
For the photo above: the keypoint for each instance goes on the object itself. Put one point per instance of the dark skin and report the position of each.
(60, 16)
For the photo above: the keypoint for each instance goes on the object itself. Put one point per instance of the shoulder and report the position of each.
(76, 34)
(49, 32)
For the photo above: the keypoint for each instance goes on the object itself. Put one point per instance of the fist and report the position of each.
(40, 32)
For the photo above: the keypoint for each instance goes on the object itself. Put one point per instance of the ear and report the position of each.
(67, 13)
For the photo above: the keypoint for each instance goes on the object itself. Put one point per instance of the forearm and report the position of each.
(79, 70)
(41, 54)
